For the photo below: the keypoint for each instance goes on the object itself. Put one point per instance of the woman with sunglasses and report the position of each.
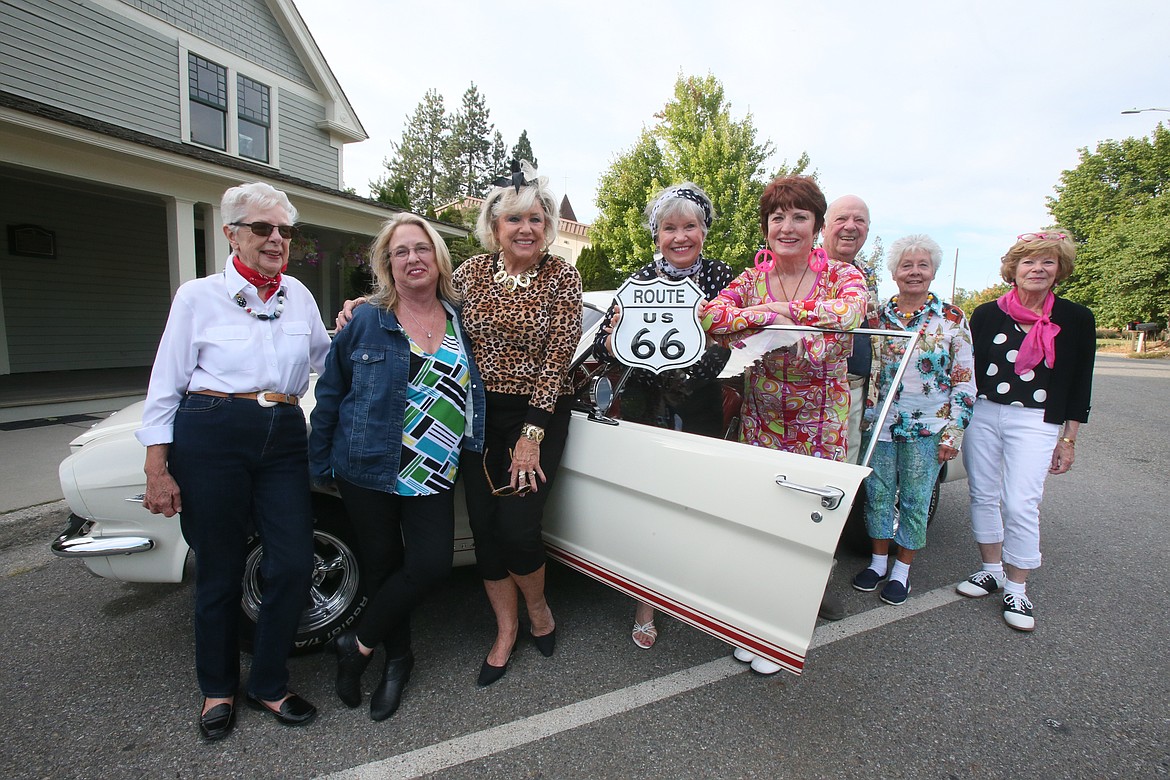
(226, 449)
(522, 309)
(399, 398)
(1034, 356)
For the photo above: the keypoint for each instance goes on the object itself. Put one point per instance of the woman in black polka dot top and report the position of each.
(1034, 373)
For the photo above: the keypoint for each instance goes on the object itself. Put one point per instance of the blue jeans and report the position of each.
(243, 468)
(904, 471)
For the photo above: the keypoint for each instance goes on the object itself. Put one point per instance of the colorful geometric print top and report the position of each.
(432, 429)
(937, 392)
(795, 400)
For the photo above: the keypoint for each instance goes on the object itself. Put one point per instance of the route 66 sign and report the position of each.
(659, 327)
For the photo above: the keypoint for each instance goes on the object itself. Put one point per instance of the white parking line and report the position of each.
(482, 744)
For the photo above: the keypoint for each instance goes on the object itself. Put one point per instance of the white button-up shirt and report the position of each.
(211, 343)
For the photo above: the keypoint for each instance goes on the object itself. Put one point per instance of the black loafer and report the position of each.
(294, 711)
(217, 722)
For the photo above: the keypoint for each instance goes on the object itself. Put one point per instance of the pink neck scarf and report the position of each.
(1040, 342)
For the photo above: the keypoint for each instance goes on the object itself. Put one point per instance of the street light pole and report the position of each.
(1142, 110)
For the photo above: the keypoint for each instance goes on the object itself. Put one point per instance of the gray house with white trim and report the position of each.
(121, 124)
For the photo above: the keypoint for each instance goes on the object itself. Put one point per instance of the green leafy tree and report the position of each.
(694, 138)
(969, 300)
(419, 161)
(469, 148)
(395, 194)
(469, 246)
(596, 271)
(523, 150)
(873, 261)
(1100, 203)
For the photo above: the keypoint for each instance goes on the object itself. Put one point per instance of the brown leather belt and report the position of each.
(264, 397)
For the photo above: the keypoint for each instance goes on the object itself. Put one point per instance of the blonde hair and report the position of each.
(1064, 249)
(385, 294)
(503, 201)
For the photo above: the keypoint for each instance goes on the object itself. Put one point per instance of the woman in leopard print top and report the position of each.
(522, 310)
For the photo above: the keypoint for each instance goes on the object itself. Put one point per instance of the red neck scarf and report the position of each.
(1040, 342)
(265, 285)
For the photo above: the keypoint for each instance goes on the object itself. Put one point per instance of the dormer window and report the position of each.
(229, 111)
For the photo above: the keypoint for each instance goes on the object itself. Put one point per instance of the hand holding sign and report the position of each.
(659, 324)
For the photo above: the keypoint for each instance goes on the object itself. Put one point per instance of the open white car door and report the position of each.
(735, 540)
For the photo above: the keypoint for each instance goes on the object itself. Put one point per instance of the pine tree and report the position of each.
(469, 148)
(499, 161)
(523, 150)
(419, 160)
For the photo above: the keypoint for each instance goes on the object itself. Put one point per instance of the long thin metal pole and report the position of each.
(955, 275)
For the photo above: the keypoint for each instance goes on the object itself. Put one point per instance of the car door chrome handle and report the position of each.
(830, 496)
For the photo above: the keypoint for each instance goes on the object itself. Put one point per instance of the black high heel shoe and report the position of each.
(489, 674)
(350, 666)
(546, 643)
(386, 698)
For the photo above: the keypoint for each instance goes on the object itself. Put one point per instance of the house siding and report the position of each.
(305, 151)
(103, 301)
(82, 58)
(245, 27)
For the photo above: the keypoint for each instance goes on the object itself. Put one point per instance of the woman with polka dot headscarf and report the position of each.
(1034, 373)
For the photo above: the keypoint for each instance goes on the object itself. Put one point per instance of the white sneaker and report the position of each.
(981, 583)
(743, 655)
(764, 666)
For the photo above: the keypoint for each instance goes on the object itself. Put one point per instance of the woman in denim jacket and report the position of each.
(399, 399)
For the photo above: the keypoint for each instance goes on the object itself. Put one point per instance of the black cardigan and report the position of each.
(1071, 384)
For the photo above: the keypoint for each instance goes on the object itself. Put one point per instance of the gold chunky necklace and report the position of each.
(511, 281)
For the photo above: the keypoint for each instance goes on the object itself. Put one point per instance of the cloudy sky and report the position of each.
(950, 119)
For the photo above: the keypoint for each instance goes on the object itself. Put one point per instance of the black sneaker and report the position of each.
(1017, 612)
(867, 580)
(981, 583)
(895, 593)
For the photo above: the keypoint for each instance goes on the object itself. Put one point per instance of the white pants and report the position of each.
(1007, 451)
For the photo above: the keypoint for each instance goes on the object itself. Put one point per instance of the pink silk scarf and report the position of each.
(1040, 341)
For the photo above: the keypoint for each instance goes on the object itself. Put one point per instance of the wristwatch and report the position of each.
(532, 432)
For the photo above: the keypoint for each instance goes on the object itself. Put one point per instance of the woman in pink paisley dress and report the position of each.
(797, 398)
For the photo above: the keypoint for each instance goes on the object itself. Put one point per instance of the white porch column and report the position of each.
(214, 240)
(180, 241)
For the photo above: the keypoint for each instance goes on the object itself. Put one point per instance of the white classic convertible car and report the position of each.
(737, 541)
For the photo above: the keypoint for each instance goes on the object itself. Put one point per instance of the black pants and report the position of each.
(405, 544)
(507, 529)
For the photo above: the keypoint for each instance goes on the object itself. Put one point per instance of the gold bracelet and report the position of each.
(1067, 440)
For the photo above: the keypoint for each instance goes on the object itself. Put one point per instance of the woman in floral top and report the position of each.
(932, 406)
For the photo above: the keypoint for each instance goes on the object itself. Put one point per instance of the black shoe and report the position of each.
(217, 722)
(831, 608)
(388, 695)
(488, 674)
(545, 644)
(294, 711)
(350, 665)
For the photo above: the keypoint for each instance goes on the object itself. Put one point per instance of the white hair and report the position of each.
(912, 242)
(240, 200)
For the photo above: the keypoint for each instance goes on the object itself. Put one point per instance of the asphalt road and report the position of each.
(99, 682)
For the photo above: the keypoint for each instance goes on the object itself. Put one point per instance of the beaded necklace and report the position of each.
(260, 315)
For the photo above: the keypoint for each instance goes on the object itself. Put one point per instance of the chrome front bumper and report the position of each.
(75, 542)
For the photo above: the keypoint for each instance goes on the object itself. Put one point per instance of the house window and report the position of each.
(253, 107)
(208, 92)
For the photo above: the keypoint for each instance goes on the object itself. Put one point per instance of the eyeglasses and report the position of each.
(506, 490)
(403, 252)
(1041, 237)
(264, 229)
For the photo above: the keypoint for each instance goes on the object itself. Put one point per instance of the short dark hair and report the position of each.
(788, 192)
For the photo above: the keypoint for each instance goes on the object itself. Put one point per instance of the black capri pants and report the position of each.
(507, 529)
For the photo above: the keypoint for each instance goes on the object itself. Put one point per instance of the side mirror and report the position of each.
(601, 394)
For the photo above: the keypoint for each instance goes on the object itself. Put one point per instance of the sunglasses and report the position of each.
(264, 229)
(1041, 237)
(506, 490)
